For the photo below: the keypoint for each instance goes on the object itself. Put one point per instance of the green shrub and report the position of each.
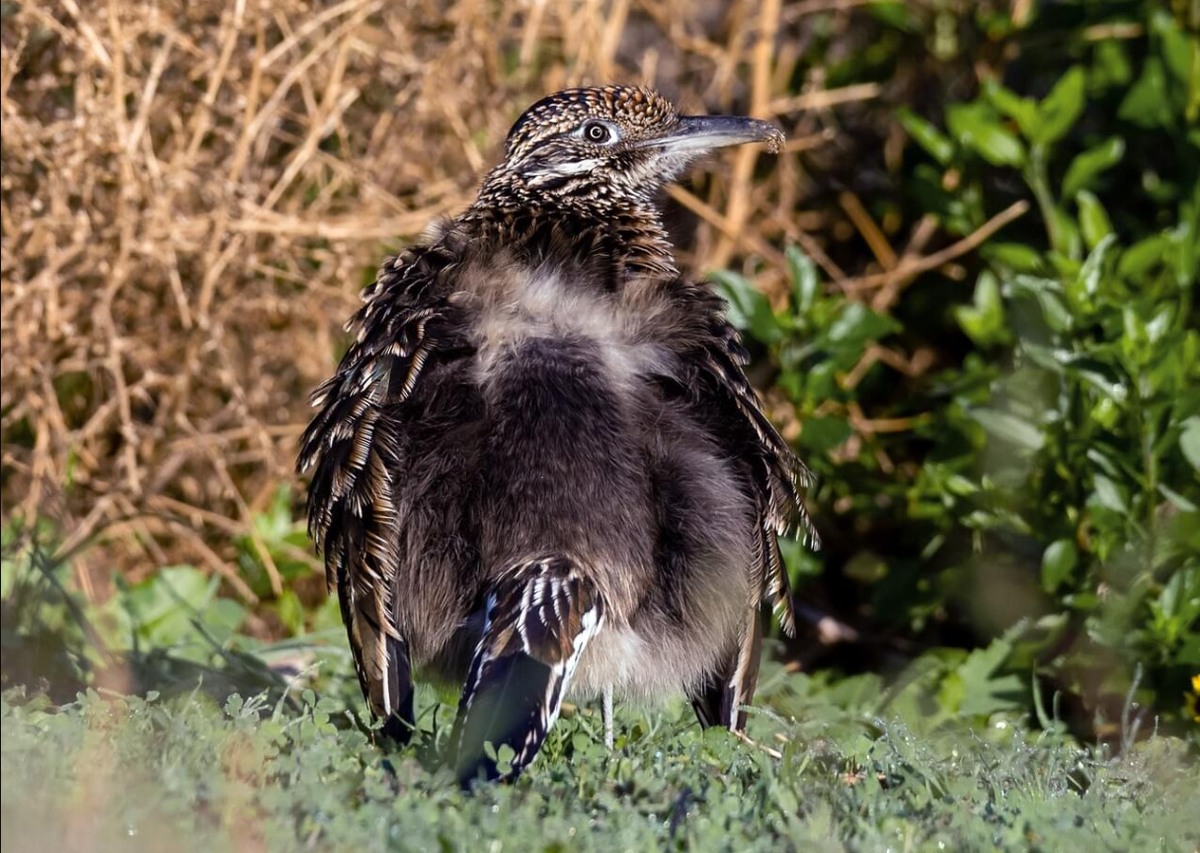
(1038, 484)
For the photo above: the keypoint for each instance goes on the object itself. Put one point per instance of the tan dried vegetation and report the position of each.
(195, 192)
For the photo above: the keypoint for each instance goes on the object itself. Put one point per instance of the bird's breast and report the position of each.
(521, 309)
(562, 368)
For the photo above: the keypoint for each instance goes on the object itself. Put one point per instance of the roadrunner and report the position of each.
(540, 470)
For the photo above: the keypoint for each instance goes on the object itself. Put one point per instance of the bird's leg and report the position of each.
(719, 701)
(608, 717)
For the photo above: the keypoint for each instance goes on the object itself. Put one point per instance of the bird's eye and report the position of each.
(594, 131)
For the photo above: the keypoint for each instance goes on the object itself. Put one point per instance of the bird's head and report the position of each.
(608, 147)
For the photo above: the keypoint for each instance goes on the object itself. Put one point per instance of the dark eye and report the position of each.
(594, 131)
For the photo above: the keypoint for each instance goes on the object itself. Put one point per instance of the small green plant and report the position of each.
(279, 566)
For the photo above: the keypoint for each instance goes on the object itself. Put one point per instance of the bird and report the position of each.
(540, 470)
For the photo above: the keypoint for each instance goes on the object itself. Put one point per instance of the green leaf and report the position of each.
(984, 321)
(895, 13)
(1060, 109)
(1177, 500)
(1009, 427)
(1058, 561)
(290, 611)
(806, 283)
(1112, 66)
(223, 617)
(801, 562)
(857, 324)
(504, 758)
(1016, 256)
(1146, 103)
(1142, 256)
(1093, 267)
(1100, 375)
(1108, 494)
(1085, 601)
(823, 434)
(983, 691)
(1186, 236)
(1047, 293)
(976, 126)
(936, 144)
(1139, 336)
(1064, 234)
(1024, 111)
(164, 606)
(1160, 323)
(1174, 597)
(1087, 166)
(1189, 441)
(1093, 219)
(749, 310)
(1177, 48)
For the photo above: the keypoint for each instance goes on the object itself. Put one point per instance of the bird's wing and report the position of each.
(537, 622)
(352, 445)
(778, 474)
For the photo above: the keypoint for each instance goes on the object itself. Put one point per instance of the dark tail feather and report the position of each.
(537, 623)
(400, 723)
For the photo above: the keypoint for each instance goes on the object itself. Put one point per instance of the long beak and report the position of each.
(704, 133)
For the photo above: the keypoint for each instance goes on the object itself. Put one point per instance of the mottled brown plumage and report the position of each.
(540, 466)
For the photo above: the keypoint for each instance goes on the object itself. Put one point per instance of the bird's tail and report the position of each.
(539, 618)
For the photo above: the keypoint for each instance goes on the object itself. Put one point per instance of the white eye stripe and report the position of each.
(570, 167)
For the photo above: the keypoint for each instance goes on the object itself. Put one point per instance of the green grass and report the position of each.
(184, 773)
(936, 757)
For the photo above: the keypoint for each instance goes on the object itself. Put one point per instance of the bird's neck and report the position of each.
(627, 232)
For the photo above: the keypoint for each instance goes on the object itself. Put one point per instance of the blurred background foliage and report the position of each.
(969, 284)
